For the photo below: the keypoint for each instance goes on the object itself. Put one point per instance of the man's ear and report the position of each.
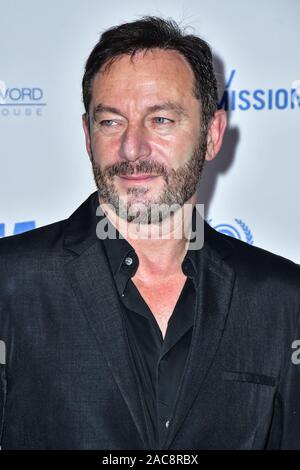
(215, 134)
(86, 128)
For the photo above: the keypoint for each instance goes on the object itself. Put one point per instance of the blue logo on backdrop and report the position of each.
(259, 99)
(240, 230)
(19, 227)
(21, 101)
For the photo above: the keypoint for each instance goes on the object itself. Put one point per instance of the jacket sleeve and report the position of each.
(2, 387)
(285, 428)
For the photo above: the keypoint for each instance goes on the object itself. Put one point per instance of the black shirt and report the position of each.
(158, 362)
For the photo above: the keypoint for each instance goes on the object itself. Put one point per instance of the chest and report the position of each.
(161, 297)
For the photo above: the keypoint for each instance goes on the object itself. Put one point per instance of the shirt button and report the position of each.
(167, 423)
(128, 261)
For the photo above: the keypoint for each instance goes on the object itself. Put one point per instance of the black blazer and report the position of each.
(68, 382)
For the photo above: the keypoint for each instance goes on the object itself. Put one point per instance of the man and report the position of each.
(144, 342)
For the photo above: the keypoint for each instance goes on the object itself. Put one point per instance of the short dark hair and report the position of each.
(148, 33)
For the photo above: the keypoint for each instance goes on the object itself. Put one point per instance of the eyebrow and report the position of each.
(165, 106)
(168, 106)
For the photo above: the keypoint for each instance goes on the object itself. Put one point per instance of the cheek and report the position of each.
(104, 150)
(174, 152)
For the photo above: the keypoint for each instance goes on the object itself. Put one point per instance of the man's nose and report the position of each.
(134, 143)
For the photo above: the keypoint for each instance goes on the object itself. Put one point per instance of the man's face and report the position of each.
(144, 134)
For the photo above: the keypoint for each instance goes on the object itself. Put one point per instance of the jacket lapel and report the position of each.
(93, 286)
(215, 286)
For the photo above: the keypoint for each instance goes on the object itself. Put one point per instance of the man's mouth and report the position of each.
(138, 178)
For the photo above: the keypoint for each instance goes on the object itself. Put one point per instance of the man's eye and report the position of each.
(107, 123)
(162, 120)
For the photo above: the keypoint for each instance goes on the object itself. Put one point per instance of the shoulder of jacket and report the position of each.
(247, 258)
(41, 238)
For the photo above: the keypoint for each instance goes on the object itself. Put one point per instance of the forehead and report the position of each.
(152, 75)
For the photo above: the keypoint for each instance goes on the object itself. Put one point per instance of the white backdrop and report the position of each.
(251, 190)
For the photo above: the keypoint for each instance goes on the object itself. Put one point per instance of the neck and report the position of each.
(160, 247)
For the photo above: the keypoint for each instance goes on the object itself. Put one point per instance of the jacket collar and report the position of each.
(80, 231)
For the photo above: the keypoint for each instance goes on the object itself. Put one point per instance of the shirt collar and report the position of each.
(124, 260)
